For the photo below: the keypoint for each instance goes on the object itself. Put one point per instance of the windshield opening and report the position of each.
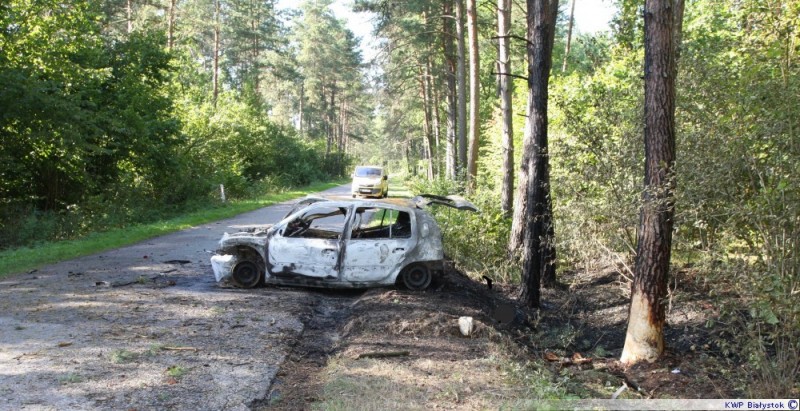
(368, 172)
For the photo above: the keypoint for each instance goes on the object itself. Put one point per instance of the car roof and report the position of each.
(419, 202)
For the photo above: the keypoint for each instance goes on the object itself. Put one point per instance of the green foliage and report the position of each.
(477, 242)
(103, 126)
(737, 193)
(596, 159)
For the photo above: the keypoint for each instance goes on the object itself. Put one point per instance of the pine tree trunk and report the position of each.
(255, 66)
(450, 74)
(434, 93)
(423, 91)
(474, 93)
(216, 53)
(171, 24)
(461, 85)
(504, 62)
(534, 189)
(129, 15)
(302, 113)
(569, 36)
(644, 340)
(331, 121)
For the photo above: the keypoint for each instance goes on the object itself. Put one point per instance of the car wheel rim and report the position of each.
(246, 274)
(417, 278)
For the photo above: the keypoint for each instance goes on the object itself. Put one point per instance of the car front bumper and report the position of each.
(223, 266)
(367, 190)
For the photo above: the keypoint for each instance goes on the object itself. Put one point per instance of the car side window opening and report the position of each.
(322, 222)
(380, 223)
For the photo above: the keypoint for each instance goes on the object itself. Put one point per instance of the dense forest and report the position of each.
(117, 110)
(731, 193)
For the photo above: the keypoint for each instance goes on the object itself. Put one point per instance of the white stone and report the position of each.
(466, 326)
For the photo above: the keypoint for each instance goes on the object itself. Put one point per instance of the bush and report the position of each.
(476, 242)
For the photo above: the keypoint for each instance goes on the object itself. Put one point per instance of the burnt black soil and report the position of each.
(584, 319)
(296, 383)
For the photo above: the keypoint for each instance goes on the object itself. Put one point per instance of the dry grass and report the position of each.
(492, 381)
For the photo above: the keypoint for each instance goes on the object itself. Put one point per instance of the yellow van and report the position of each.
(370, 181)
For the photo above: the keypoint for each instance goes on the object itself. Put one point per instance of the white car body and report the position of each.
(339, 243)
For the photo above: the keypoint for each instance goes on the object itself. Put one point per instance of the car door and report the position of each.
(379, 240)
(309, 245)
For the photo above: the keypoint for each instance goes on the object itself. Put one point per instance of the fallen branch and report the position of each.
(384, 354)
(619, 391)
(180, 349)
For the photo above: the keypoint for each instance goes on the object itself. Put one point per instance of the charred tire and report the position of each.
(416, 277)
(246, 274)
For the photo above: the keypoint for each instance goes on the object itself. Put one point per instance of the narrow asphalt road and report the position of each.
(146, 327)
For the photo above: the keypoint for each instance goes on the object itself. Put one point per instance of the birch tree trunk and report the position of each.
(644, 340)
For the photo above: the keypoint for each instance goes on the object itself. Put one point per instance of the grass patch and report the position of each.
(176, 371)
(154, 349)
(70, 378)
(27, 258)
(123, 356)
(398, 188)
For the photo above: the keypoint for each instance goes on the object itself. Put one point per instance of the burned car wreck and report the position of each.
(340, 243)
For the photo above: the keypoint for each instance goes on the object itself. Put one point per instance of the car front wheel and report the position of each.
(246, 274)
(416, 277)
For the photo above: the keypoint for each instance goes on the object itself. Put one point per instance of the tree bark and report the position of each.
(644, 340)
(461, 85)
(302, 99)
(255, 22)
(129, 15)
(171, 24)
(216, 53)
(450, 75)
(474, 93)
(424, 95)
(331, 120)
(569, 36)
(506, 90)
(434, 94)
(538, 251)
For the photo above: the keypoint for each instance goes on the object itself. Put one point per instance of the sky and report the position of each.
(590, 16)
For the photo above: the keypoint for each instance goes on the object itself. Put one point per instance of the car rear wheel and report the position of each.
(416, 277)
(246, 274)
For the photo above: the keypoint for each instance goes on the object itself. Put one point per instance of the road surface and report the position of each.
(146, 327)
